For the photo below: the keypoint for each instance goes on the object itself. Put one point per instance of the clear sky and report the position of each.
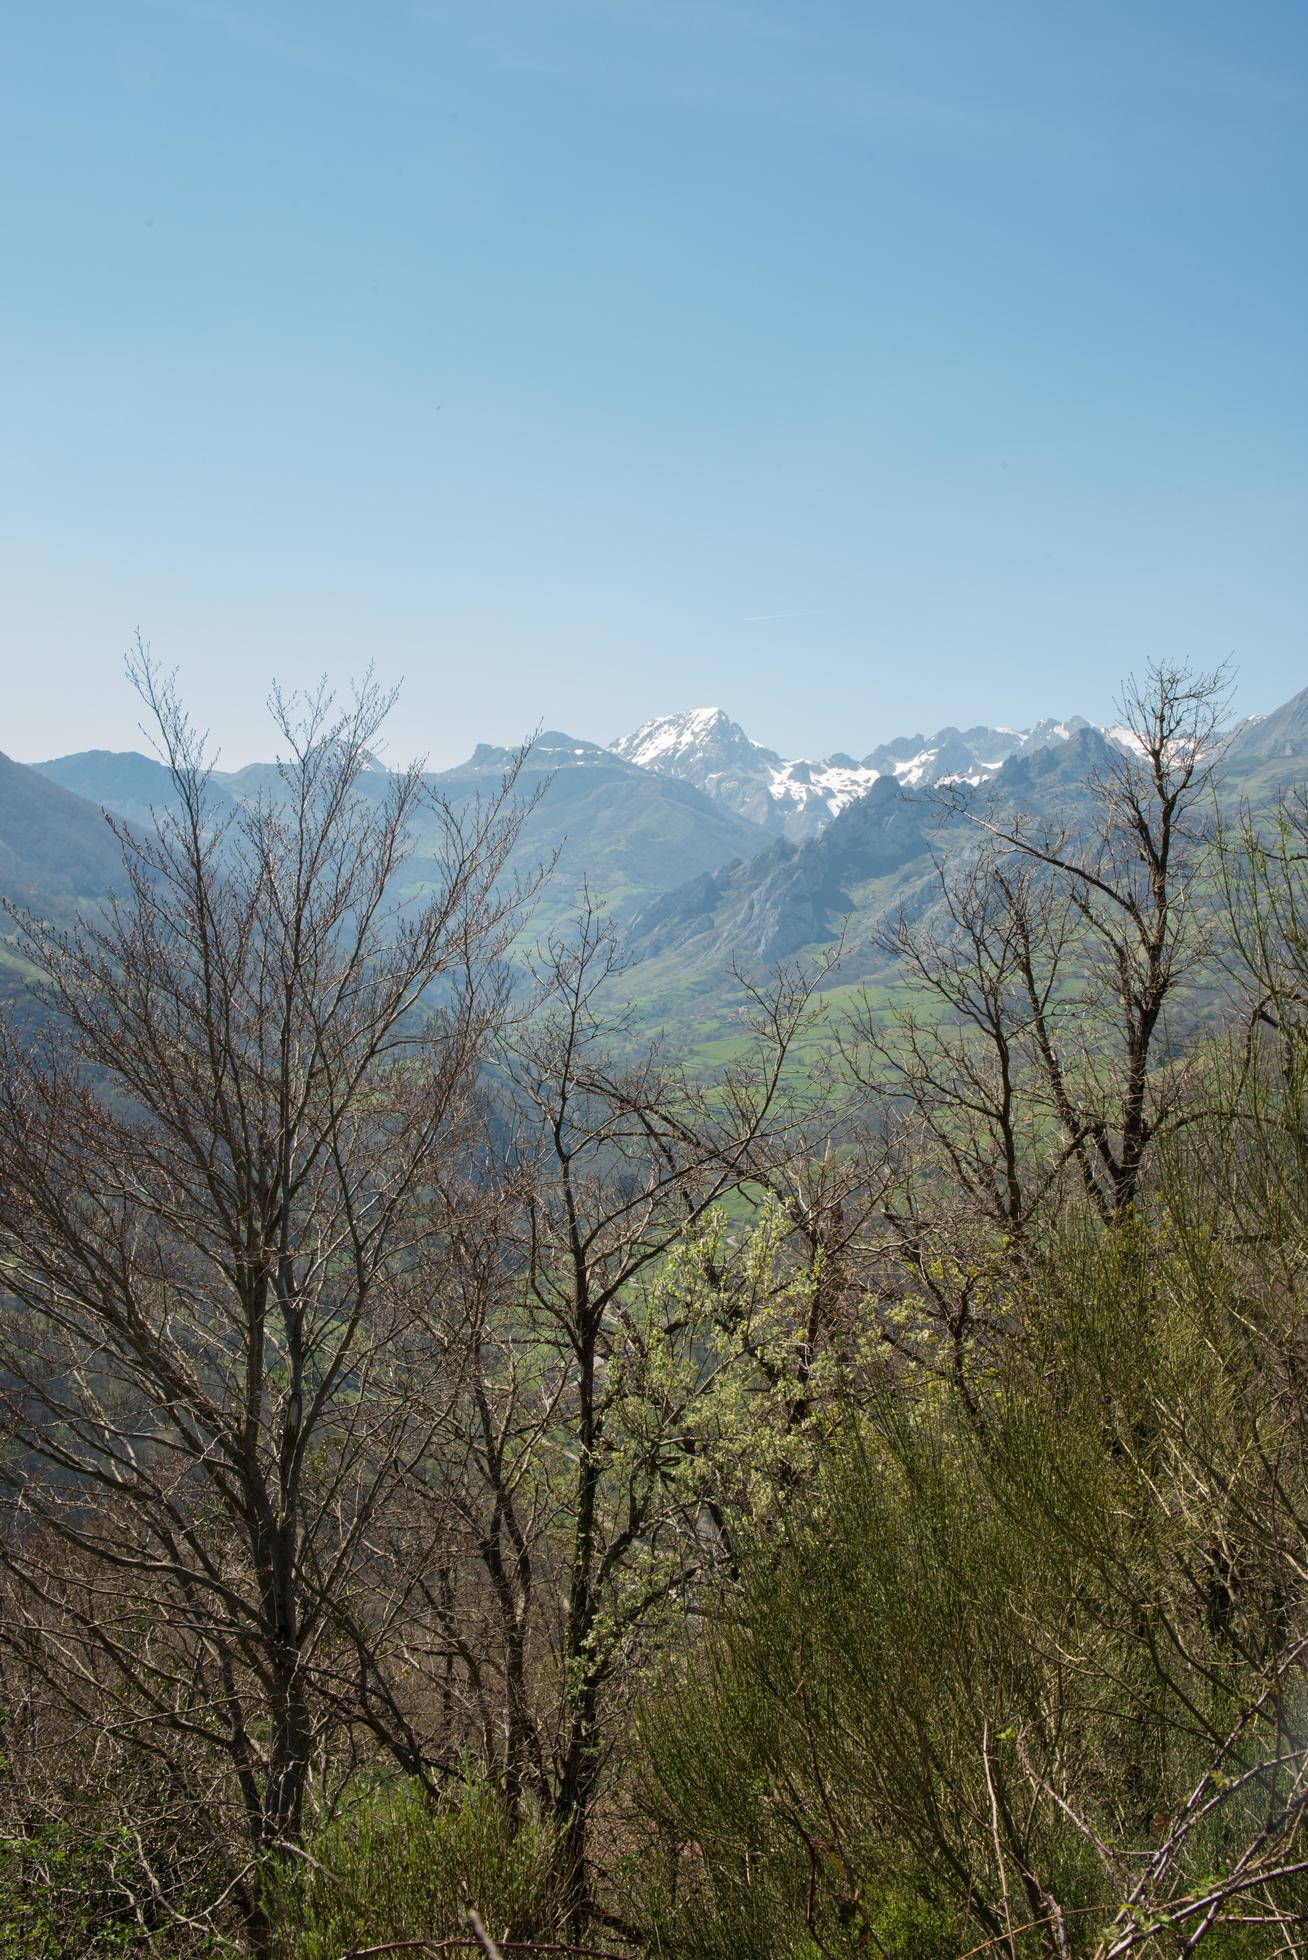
(855, 366)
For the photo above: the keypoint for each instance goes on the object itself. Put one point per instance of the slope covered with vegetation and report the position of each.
(470, 1480)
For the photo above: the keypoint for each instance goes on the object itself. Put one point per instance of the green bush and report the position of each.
(67, 1895)
(393, 1865)
(1016, 1628)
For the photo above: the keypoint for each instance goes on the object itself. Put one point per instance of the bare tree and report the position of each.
(1049, 967)
(1127, 894)
(213, 1171)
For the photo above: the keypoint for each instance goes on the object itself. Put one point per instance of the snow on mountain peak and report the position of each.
(705, 747)
(700, 731)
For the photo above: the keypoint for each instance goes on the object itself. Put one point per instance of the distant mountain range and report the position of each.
(626, 831)
(876, 856)
(706, 748)
(56, 849)
(707, 847)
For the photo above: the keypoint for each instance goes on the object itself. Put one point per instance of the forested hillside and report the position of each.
(471, 1482)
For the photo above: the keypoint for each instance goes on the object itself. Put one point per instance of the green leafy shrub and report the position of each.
(1026, 1636)
(69, 1895)
(392, 1865)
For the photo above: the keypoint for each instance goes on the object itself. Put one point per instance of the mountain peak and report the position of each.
(668, 740)
(799, 797)
(704, 746)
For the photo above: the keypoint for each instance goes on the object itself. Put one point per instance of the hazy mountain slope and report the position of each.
(869, 859)
(133, 785)
(58, 856)
(790, 895)
(1280, 736)
(129, 784)
(627, 832)
(55, 848)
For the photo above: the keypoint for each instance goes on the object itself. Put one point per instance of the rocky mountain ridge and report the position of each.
(798, 798)
(869, 859)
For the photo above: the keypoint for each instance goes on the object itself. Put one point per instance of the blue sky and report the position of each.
(858, 367)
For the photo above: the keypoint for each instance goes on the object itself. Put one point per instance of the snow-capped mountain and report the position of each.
(708, 749)
(799, 798)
